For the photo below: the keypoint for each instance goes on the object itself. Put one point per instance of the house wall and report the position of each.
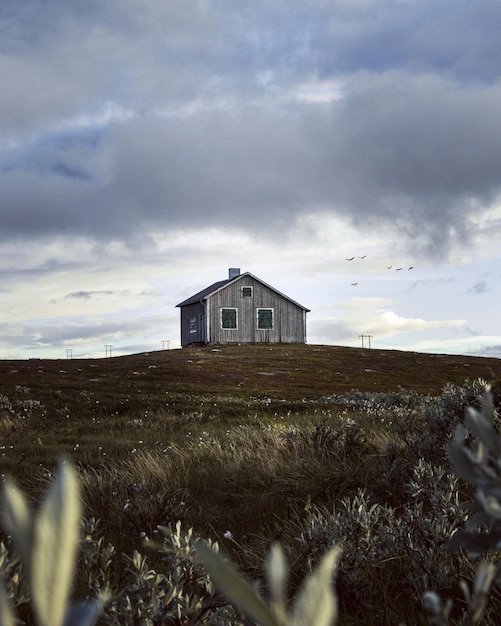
(193, 324)
(289, 319)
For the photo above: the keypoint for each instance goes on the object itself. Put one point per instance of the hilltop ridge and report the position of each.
(294, 369)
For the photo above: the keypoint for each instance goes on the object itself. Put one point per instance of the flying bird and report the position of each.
(362, 257)
(350, 259)
(388, 267)
(399, 269)
(410, 268)
(354, 284)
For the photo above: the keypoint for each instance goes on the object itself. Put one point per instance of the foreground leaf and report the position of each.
(84, 613)
(55, 543)
(18, 521)
(316, 604)
(6, 615)
(276, 569)
(235, 587)
(476, 543)
(482, 427)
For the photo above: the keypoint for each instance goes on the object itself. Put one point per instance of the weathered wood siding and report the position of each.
(193, 324)
(289, 319)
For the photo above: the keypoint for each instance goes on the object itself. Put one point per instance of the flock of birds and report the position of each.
(388, 267)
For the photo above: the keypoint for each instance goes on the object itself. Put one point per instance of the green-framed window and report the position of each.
(229, 318)
(265, 319)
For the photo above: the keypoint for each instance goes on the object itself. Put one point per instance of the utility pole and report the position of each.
(165, 341)
(362, 337)
(108, 349)
(69, 353)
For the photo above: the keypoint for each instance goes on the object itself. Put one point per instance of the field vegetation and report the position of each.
(248, 446)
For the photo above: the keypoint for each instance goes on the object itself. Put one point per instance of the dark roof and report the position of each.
(202, 295)
(205, 292)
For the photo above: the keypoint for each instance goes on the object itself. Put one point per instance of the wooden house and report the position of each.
(241, 309)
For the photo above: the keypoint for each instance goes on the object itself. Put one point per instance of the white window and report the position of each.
(246, 292)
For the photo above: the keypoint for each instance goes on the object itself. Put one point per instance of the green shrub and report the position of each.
(182, 593)
(386, 549)
(444, 413)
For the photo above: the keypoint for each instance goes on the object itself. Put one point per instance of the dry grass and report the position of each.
(256, 482)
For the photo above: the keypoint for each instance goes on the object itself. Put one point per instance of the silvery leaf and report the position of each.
(55, 543)
(316, 604)
(235, 587)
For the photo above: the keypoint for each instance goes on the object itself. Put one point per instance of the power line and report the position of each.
(362, 337)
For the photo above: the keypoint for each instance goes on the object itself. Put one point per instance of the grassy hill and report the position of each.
(296, 370)
(263, 440)
(93, 410)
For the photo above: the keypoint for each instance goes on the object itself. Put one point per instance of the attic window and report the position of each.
(229, 319)
(265, 319)
(246, 292)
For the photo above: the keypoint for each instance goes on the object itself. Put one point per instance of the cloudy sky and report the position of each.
(146, 146)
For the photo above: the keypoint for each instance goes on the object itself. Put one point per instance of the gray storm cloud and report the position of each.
(208, 128)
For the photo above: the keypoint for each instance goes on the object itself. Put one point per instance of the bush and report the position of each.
(384, 548)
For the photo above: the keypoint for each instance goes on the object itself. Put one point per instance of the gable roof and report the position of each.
(201, 295)
(208, 291)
